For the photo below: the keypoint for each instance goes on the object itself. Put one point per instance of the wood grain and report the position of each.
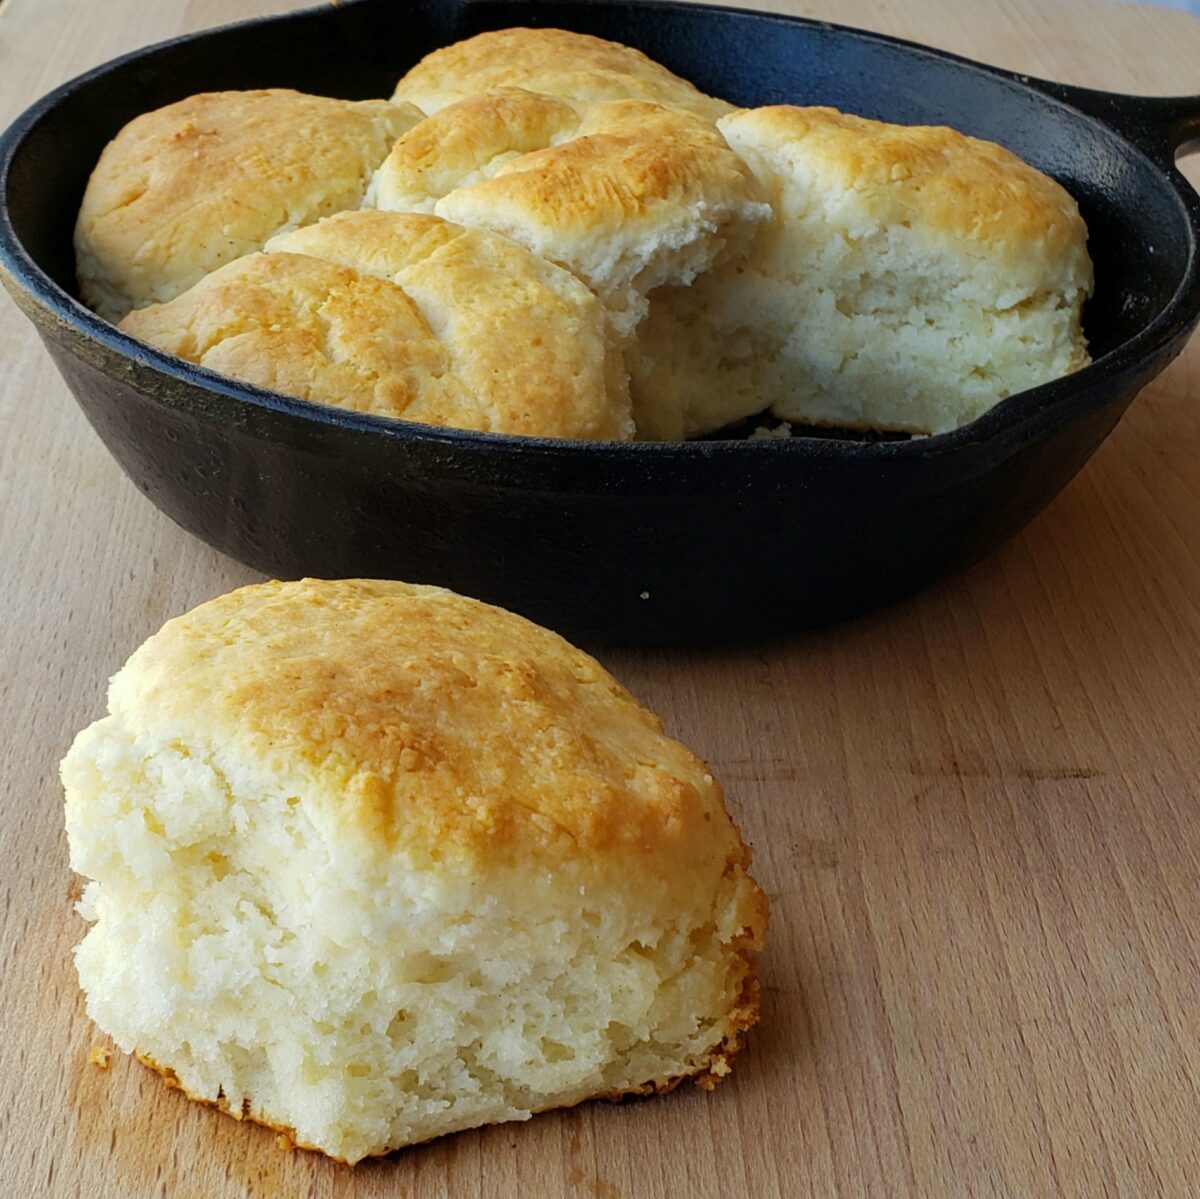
(976, 813)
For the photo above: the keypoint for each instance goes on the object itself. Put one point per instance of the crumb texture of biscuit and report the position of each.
(372, 862)
(187, 188)
(556, 62)
(407, 316)
(911, 278)
(627, 195)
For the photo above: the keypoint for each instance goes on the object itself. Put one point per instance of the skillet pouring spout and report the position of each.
(630, 543)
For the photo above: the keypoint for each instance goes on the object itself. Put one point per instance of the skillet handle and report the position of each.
(1162, 127)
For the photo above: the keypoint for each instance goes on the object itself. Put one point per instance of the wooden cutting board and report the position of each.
(977, 814)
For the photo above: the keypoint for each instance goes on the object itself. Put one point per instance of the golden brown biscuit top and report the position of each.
(468, 142)
(571, 66)
(622, 158)
(563, 162)
(525, 338)
(314, 330)
(610, 189)
(186, 188)
(928, 176)
(415, 720)
(406, 316)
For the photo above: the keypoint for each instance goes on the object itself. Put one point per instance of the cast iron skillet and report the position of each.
(649, 543)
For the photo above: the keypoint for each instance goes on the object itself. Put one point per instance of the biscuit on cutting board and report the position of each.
(372, 862)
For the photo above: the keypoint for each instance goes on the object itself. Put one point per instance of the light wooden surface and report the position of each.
(977, 814)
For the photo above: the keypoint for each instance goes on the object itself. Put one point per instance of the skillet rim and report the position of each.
(1016, 416)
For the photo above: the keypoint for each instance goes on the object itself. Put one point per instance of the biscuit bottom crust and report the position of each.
(707, 1073)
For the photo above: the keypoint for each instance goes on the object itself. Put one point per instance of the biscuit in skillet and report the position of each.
(555, 62)
(407, 316)
(627, 195)
(910, 279)
(187, 188)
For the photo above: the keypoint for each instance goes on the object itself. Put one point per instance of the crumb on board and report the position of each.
(100, 1056)
(718, 1069)
(285, 1142)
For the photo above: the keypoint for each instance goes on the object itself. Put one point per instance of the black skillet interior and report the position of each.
(646, 543)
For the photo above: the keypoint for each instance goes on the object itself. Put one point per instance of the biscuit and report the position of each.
(628, 195)
(830, 269)
(571, 66)
(372, 862)
(912, 277)
(407, 316)
(187, 188)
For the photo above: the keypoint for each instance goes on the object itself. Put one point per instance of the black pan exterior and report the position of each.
(644, 543)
